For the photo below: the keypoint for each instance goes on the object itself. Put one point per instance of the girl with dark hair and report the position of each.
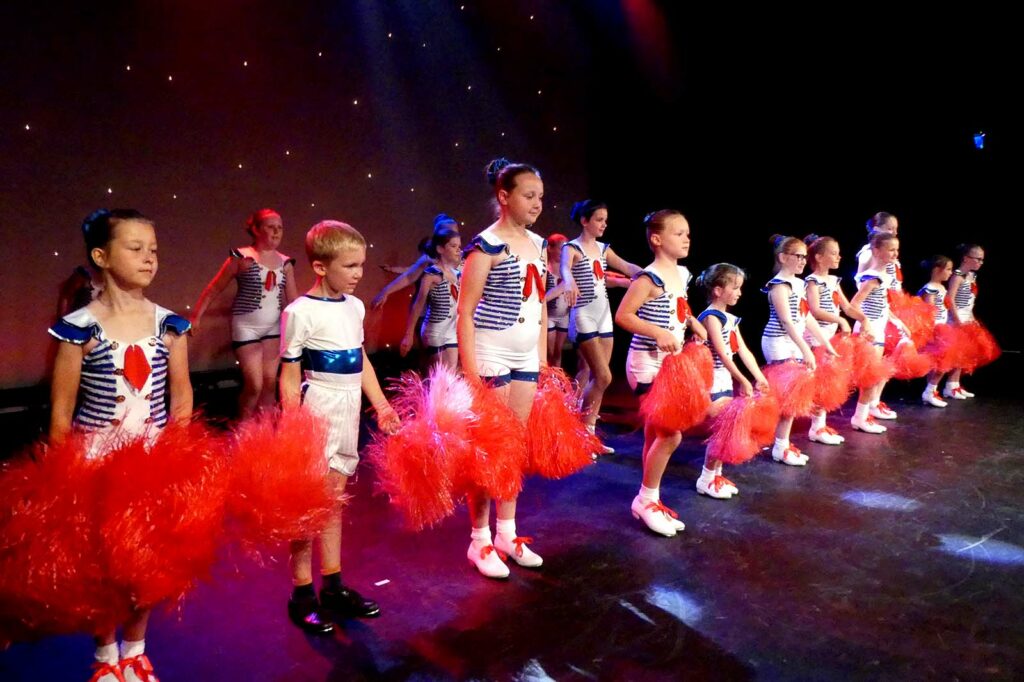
(940, 269)
(439, 293)
(411, 275)
(558, 305)
(881, 223)
(963, 287)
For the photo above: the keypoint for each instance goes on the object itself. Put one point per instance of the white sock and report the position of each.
(481, 536)
(106, 653)
(506, 528)
(781, 444)
(133, 649)
(649, 494)
(817, 421)
(718, 468)
(707, 474)
(874, 403)
(861, 413)
(931, 389)
(950, 385)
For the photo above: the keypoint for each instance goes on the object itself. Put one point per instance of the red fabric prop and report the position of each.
(833, 377)
(735, 436)
(868, 367)
(950, 348)
(793, 385)
(765, 419)
(162, 516)
(52, 576)
(416, 466)
(985, 347)
(908, 363)
(917, 314)
(279, 487)
(679, 396)
(558, 441)
(498, 457)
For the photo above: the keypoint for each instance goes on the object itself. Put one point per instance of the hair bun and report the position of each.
(776, 239)
(495, 167)
(811, 238)
(93, 218)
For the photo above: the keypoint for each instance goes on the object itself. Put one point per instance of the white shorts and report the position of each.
(721, 382)
(505, 365)
(341, 406)
(440, 335)
(244, 332)
(827, 330)
(779, 348)
(558, 323)
(876, 329)
(641, 368)
(591, 321)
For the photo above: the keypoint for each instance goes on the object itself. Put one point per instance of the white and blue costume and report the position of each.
(828, 300)
(721, 385)
(964, 296)
(439, 329)
(256, 312)
(893, 270)
(122, 391)
(558, 307)
(326, 335)
(591, 316)
(776, 344)
(875, 305)
(669, 310)
(938, 294)
(508, 317)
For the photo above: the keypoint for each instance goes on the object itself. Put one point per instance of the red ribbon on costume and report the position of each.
(804, 308)
(598, 270)
(974, 288)
(533, 278)
(682, 309)
(947, 301)
(836, 300)
(271, 281)
(734, 342)
(136, 367)
(899, 273)
(454, 291)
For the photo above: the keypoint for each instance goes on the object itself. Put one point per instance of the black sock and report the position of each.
(301, 592)
(332, 581)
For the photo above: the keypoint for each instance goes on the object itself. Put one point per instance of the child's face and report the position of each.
(130, 257)
(829, 256)
(452, 251)
(597, 224)
(730, 293)
(343, 272)
(944, 273)
(525, 202)
(794, 259)
(674, 239)
(891, 225)
(888, 252)
(974, 259)
(555, 251)
(268, 233)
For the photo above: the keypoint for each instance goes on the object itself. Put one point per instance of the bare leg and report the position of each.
(250, 361)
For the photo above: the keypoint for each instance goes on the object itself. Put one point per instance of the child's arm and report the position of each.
(290, 385)
(613, 279)
(615, 261)
(67, 373)
(293, 337)
(951, 287)
(854, 313)
(714, 330)
(542, 343)
(555, 291)
(779, 297)
(178, 379)
(228, 271)
(291, 289)
(812, 326)
(819, 313)
(697, 327)
(865, 288)
(407, 278)
(387, 418)
(474, 275)
(569, 257)
(414, 313)
(640, 291)
(760, 382)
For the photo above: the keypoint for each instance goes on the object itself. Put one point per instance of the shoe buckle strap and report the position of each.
(659, 507)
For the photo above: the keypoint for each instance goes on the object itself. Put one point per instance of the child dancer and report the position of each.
(502, 326)
(656, 311)
(964, 287)
(826, 300)
(788, 321)
(118, 359)
(940, 269)
(324, 330)
(584, 262)
(723, 283)
(888, 224)
(558, 304)
(266, 284)
(873, 283)
(442, 223)
(439, 292)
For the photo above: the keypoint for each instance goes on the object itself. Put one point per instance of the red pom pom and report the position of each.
(908, 363)
(499, 456)
(915, 313)
(162, 516)
(558, 441)
(735, 434)
(793, 385)
(868, 367)
(279, 485)
(52, 576)
(680, 396)
(415, 466)
(765, 418)
(833, 376)
(950, 348)
(985, 347)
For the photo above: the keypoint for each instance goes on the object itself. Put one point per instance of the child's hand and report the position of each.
(746, 389)
(810, 361)
(761, 384)
(378, 301)
(667, 341)
(844, 326)
(866, 335)
(571, 294)
(388, 420)
(406, 345)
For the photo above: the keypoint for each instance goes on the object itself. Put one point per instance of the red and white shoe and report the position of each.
(957, 393)
(882, 411)
(716, 486)
(790, 455)
(656, 516)
(933, 399)
(106, 672)
(138, 669)
(868, 425)
(517, 550)
(487, 560)
(825, 435)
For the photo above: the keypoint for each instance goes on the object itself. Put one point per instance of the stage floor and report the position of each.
(898, 556)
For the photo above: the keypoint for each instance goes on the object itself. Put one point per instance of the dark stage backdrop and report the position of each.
(385, 113)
